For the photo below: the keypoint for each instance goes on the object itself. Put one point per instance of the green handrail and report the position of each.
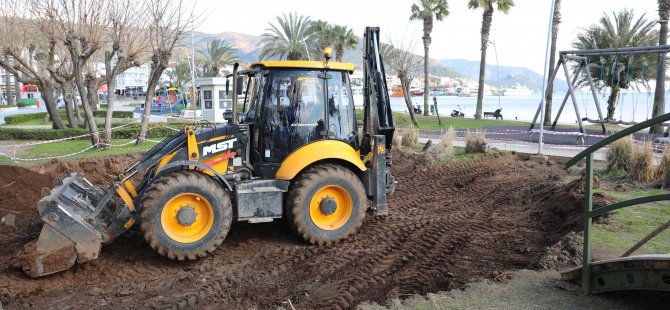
(589, 213)
(628, 203)
(632, 129)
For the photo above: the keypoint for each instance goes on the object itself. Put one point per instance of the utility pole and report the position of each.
(495, 50)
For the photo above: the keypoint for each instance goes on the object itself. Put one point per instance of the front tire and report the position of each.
(326, 204)
(185, 215)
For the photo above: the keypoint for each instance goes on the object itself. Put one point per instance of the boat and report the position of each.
(416, 91)
(517, 90)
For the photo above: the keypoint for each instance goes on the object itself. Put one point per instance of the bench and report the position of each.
(497, 114)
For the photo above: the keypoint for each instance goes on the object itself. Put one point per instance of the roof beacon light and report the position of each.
(328, 53)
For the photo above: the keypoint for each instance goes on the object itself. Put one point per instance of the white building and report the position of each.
(133, 77)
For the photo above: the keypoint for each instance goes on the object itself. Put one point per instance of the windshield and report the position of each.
(295, 108)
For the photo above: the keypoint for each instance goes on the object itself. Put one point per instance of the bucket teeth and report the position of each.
(50, 253)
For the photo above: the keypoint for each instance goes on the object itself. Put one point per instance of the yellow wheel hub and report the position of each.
(330, 207)
(187, 217)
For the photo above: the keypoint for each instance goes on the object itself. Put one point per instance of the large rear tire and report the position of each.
(185, 215)
(326, 204)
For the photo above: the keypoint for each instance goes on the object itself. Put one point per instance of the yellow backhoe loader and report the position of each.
(294, 151)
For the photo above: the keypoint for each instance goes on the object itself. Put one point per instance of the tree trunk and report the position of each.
(111, 84)
(47, 92)
(68, 99)
(659, 96)
(88, 112)
(405, 83)
(426, 80)
(487, 18)
(156, 71)
(17, 88)
(556, 21)
(611, 102)
(339, 52)
(8, 89)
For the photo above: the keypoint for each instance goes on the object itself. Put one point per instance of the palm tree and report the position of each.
(487, 18)
(555, 22)
(322, 37)
(659, 96)
(622, 30)
(219, 54)
(343, 37)
(288, 39)
(427, 11)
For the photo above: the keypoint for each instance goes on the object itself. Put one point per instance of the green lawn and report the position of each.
(73, 146)
(627, 226)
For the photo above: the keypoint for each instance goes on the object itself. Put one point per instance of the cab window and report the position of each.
(341, 123)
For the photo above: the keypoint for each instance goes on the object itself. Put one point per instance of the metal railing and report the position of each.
(589, 213)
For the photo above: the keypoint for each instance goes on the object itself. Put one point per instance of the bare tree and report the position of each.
(78, 26)
(169, 21)
(127, 48)
(28, 57)
(400, 59)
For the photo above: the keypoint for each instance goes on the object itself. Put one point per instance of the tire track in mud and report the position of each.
(448, 225)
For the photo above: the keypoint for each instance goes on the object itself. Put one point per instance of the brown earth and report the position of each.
(448, 225)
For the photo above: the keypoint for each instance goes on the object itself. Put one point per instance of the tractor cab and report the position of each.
(289, 104)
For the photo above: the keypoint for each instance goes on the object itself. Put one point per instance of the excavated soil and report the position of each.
(448, 225)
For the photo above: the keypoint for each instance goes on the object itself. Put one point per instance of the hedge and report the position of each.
(21, 118)
(129, 132)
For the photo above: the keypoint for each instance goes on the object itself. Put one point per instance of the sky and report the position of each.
(520, 36)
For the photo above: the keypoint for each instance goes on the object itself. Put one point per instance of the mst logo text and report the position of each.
(218, 147)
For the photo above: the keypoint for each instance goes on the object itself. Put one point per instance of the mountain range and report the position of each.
(248, 49)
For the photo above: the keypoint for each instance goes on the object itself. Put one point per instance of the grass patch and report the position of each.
(430, 122)
(627, 226)
(72, 146)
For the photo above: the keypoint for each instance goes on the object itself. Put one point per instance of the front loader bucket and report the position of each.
(77, 220)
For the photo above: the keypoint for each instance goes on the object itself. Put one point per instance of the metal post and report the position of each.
(571, 89)
(565, 100)
(193, 102)
(235, 94)
(544, 76)
(588, 197)
(495, 50)
(595, 98)
(551, 80)
(306, 50)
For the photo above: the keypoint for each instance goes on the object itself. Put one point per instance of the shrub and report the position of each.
(641, 163)
(397, 143)
(410, 137)
(663, 170)
(129, 132)
(115, 114)
(21, 118)
(475, 142)
(619, 154)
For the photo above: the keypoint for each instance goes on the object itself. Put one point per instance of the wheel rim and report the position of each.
(336, 218)
(187, 232)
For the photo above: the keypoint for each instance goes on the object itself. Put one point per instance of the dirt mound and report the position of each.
(20, 189)
(566, 253)
(100, 171)
(448, 225)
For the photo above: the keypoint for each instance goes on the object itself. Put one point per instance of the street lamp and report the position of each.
(193, 102)
(495, 50)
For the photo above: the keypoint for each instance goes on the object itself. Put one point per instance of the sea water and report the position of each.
(632, 106)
